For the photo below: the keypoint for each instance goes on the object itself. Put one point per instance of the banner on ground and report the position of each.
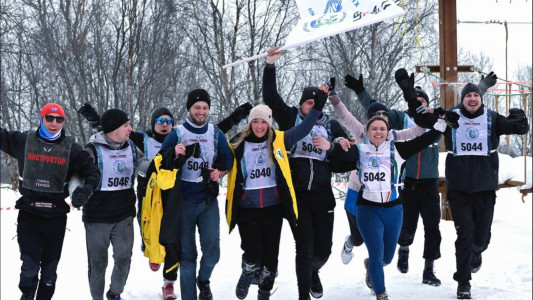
(323, 18)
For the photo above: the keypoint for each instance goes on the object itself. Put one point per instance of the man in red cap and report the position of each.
(47, 159)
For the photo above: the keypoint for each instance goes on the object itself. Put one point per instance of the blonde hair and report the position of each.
(248, 131)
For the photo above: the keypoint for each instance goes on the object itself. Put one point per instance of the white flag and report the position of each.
(322, 18)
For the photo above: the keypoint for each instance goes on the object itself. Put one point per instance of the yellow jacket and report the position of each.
(152, 210)
(286, 187)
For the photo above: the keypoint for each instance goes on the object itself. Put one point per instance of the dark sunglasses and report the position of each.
(50, 119)
(382, 114)
(160, 121)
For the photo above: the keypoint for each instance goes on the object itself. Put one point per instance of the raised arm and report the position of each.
(293, 135)
(356, 129)
(235, 117)
(280, 110)
(359, 88)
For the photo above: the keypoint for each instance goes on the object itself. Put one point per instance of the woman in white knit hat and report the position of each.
(261, 193)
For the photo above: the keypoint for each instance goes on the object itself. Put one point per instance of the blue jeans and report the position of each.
(380, 228)
(204, 214)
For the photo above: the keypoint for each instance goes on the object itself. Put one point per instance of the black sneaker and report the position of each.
(429, 278)
(316, 286)
(367, 276)
(403, 261)
(243, 285)
(205, 290)
(475, 264)
(463, 290)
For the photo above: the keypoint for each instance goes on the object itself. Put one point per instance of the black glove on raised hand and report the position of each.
(331, 84)
(80, 196)
(320, 98)
(354, 84)
(486, 82)
(407, 84)
(90, 114)
(520, 121)
(240, 112)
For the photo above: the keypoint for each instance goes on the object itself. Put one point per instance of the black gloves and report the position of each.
(518, 116)
(193, 150)
(486, 82)
(190, 150)
(211, 187)
(451, 118)
(240, 113)
(90, 114)
(320, 98)
(354, 84)
(331, 85)
(81, 195)
(407, 84)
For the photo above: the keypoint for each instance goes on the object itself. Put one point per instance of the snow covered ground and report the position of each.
(506, 272)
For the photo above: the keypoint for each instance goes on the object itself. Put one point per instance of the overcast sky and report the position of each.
(490, 38)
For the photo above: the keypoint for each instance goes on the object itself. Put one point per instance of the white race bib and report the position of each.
(471, 138)
(260, 170)
(192, 169)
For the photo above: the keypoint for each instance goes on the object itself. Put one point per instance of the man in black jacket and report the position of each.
(47, 159)
(472, 175)
(311, 178)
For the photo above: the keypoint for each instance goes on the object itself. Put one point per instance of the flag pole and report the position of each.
(245, 60)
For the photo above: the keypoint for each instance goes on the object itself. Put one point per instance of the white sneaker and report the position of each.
(346, 253)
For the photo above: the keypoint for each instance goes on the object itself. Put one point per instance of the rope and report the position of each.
(442, 81)
(416, 28)
(404, 22)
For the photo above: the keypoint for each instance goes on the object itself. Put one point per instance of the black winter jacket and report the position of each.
(307, 174)
(14, 144)
(469, 173)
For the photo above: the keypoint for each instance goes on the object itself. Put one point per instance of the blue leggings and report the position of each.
(380, 228)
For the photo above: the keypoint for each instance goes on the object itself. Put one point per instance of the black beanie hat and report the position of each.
(469, 88)
(198, 95)
(308, 93)
(373, 108)
(158, 112)
(113, 119)
(421, 93)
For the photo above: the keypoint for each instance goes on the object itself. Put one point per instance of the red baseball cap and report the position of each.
(52, 108)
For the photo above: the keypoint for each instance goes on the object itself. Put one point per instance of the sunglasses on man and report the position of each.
(161, 121)
(58, 119)
(381, 114)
